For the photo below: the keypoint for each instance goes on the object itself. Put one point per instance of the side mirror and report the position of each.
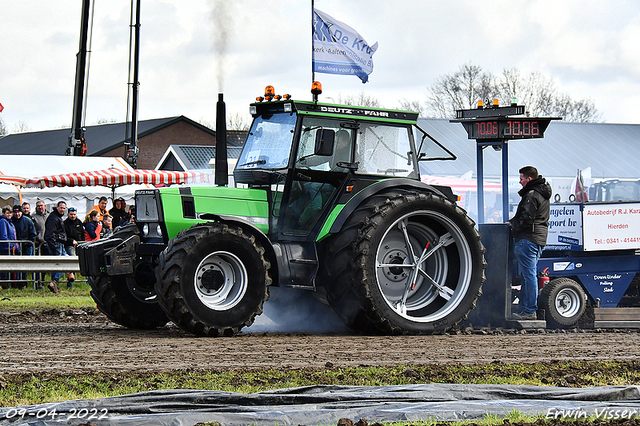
(324, 142)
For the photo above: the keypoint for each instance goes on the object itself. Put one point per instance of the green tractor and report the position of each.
(328, 199)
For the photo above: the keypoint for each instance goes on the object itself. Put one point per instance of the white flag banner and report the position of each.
(339, 49)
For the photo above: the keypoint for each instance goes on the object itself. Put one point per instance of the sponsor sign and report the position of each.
(565, 227)
(614, 226)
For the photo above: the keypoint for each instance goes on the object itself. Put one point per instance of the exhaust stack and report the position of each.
(221, 177)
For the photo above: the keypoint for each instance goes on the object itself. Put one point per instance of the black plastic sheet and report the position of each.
(324, 405)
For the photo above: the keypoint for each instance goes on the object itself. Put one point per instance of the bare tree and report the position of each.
(238, 122)
(234, 122)
(3, 128)
(360, 99)
(460, 90)
(206, 123)
(20, 127)
(539, 94)
(417, 106)
(470, 84)
(583, 111)
(105, 120)
(534, 91)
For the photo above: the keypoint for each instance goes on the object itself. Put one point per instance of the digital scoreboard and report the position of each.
(501, 123)
(496, 126)
(507, 128)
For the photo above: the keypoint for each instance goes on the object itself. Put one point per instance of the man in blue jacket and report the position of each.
(25, 231)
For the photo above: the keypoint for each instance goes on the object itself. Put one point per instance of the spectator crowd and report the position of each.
(51, 233)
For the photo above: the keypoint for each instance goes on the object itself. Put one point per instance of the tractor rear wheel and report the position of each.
(213, 279)
(130, 301)
(405, 262)
(564, 302)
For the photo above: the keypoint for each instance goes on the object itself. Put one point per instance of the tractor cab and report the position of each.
(313, 158)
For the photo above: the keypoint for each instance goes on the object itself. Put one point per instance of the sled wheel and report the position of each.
(416, 266)
(564, 302)
(213, 279)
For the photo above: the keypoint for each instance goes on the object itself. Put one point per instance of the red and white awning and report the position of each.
(13, 180)
(118, 177)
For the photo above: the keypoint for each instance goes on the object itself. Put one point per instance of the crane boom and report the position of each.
(77, 145)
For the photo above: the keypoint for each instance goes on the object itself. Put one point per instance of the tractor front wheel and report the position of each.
(213, 279)
(130, 301)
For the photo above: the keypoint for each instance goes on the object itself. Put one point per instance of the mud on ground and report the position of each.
(84, 341)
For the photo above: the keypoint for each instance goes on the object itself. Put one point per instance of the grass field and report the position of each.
(30, 299)
(26, 389)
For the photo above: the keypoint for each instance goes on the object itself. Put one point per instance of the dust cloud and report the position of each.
(296, 311)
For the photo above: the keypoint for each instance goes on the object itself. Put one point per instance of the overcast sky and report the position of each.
(589, 48)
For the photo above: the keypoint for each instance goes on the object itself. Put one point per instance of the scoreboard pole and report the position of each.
(480, 182)
(502, 146)
(505, 181)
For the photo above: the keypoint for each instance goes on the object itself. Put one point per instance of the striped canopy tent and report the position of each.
(13, 180)
(119, 177)
(114, 178)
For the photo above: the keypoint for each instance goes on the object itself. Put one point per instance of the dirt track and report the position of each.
(80, 342)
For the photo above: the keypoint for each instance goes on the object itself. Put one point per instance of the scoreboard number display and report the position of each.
(507, 129)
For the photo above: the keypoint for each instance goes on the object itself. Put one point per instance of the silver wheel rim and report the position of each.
(412, 278)
(220, 280)
(567, 302)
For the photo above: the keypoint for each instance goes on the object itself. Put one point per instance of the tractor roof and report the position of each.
(334, 110)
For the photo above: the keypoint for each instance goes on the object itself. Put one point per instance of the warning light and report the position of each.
(269, 93)
(316, 88)
(496, 103)
(286, 96)
(480, 104)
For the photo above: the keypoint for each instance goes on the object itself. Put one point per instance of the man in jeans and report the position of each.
(530, 227)
(39, 218)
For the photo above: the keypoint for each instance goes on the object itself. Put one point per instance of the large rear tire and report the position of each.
(405, 262)
(564, 302)
(129, 301)
(213, 279)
